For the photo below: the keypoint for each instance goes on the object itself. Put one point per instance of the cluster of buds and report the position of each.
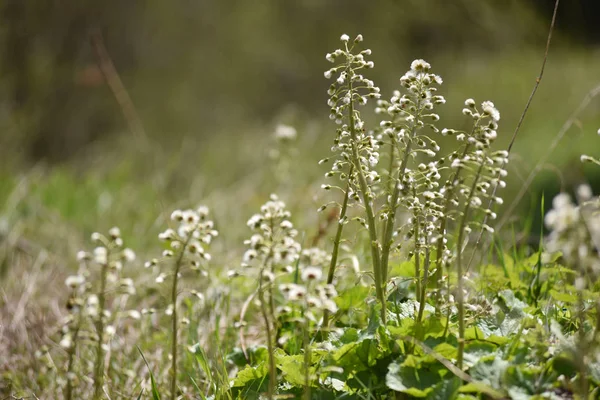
(273, 246)
(192, 237)
(477, 170)
(93, 317)
(107, 259)
(357, 151)
(311, 295)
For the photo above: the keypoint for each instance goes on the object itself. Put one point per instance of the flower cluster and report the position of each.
(93, 316)
(575, 230)
(408, 114)
(357, 150)
(477, 170)
(190, 239)
(272, 247)
(107, 259)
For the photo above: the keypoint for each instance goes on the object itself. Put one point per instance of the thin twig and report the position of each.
(118, 89)
(538, 80)
(540, 164)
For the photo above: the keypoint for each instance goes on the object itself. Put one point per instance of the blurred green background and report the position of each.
(210, 80)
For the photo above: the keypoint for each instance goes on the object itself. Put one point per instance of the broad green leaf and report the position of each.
(569, 298)
(445, 390)
(292, 368)
(417, 382)
(250, 374)
(352, 298)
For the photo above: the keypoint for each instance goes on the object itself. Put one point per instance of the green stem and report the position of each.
(174, 321)
(99, 366)
(71, 362)
(393, 202)
(422, 299)
(459, 271)
(265, 315)
(337, 240)
(307, 357)
(438, 254)
(367, 200)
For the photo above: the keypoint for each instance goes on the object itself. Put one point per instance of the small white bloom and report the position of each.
(74, 281)
(83, 255)
(420, 66)
(311, 274)
(129, 255)
(285, 133)
(134, 314)
(584, 192)
(114, 232)
(344, 38)
(490, 110)
(101, 255)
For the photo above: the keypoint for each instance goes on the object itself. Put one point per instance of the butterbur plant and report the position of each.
(272, 252)
(419, 321)
(91, 306)
(575, 234)
(357, 151)
(188, 244)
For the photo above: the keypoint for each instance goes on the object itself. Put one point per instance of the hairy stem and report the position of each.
(99, 366)
(337, 240)
(459, 270)
(265, 315)
(367, 200)
(174, 321)
(393, 202)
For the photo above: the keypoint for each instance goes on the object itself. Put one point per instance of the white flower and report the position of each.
(285, 133)
(584, 192)
(66, 342)
(82, 255)
(114, 232)
(420, 66)
(312, 274)
(74, 281)
(129, 255)
(344, 38)
(489, 109)
(295, 292)
(134, 314)
(101, 255)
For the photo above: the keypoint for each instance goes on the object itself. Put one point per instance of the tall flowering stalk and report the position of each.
(187, 249)
(91, 308)
(575, 233)
(358, 151)
(410, 114)
(411, 185)
(481, 166)
(273, 250)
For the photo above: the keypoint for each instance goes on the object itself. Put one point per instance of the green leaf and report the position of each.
(445, 390)
(154, 387)
(417, 382)
(202, 361)
(292, 368)
(352, 298)
(476, 350)
(569, 298)
(250, 374)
